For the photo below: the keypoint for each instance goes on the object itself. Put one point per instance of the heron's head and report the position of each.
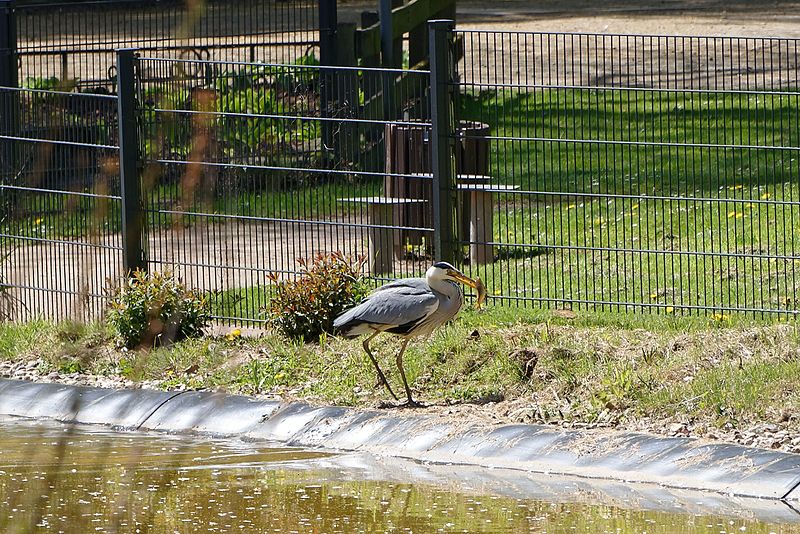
(444, 271)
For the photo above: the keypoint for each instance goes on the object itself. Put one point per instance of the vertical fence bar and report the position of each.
(391, 56)
(132, 213)
(441, 38)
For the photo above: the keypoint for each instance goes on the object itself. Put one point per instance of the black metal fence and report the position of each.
(60, 208)
(66, 44)
(240, 180)
(640, 172)
(617, 172)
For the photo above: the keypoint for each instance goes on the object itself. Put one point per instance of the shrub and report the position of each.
(306, 307)
(152, 309)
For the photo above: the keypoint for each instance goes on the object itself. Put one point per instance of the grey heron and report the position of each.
(408, 307)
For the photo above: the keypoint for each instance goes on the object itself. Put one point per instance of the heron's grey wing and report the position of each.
(399, 304)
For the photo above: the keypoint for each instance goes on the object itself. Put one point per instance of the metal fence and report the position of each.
(65, 44)
(244, 169)
(60, 209)
(640, 172)
(240, 181)
(609, 172)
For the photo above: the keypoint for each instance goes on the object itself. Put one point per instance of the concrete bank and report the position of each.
(677, 463)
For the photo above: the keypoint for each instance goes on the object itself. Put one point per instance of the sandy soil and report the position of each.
(751, 18)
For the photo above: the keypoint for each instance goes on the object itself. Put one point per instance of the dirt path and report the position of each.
(666, 17)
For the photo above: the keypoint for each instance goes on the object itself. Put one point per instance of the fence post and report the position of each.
(133, 256)
(8, 44)
(328, 48)
(440, 36)
(9, 104)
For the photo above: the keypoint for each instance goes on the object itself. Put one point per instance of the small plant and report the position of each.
(152, 309)
(306, 307)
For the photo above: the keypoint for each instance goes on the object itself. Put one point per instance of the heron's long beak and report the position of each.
(466, 280)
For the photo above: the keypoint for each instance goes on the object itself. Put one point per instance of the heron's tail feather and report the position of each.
(349, 325)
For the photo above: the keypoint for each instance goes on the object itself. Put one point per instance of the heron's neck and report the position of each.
(446, 287)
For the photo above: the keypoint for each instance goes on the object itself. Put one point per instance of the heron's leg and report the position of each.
(411, 401)
(375, 362)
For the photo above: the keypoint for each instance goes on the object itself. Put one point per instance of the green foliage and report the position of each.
(156, 309)
(306, 307)
(255, 121)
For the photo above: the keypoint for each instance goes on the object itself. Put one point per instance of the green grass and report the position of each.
(597, 367)
(730, 201)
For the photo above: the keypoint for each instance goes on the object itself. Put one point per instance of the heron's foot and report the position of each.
(411, 403)
(385, 405)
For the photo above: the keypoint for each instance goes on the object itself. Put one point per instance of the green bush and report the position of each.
(306, 307)
(152, 309)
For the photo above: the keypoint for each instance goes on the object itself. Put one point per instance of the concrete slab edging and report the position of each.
(682, 463)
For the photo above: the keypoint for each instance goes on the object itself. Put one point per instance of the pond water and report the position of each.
(58, 478)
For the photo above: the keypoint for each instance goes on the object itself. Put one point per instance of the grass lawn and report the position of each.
(596, 367)
(664, 226)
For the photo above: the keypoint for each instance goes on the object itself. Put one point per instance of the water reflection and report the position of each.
(78, 480)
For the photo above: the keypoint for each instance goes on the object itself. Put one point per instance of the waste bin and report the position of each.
(408, 152)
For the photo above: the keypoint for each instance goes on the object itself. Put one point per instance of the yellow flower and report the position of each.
(719, 317)
(230, 336)
(765, 196)
(635, 206)
(669, 309)
(653, 295)
(748, 205)
(571, 206)
(38, 221)
(734, 187)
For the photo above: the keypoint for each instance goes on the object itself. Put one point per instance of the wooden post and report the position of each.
(391, 57)
(481, 231)
(381, 238)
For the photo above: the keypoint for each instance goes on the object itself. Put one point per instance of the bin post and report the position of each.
(442, 140)
(133, 253)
